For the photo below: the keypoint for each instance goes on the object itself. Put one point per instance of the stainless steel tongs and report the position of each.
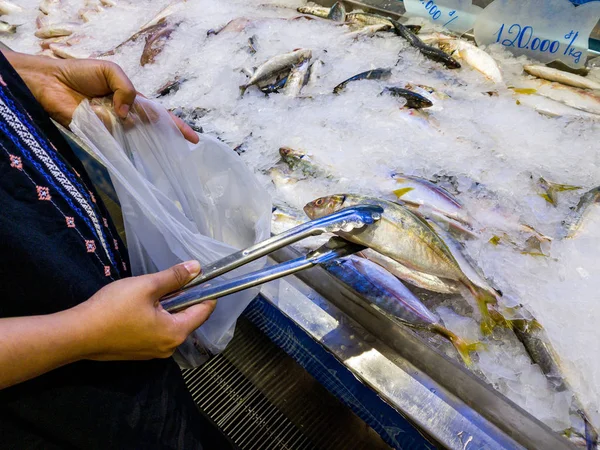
(201, 289)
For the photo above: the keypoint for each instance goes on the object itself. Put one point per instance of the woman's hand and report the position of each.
(60, 85)
(125, 320)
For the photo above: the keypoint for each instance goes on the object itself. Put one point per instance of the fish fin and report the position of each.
(243, 88)
(400, 192)
(564, 187)
(463, 347)
(526, 91)
(548, 198)
(494, 240)
(483, 299)
(498, 318)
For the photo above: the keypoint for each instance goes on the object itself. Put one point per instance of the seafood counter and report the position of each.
(486, 166)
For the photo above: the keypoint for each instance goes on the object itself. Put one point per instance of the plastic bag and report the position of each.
(179, 202)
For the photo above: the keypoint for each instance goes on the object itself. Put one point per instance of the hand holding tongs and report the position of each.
(199, 289)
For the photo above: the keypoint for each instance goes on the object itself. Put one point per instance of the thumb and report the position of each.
(174, 277)
(191, 318)
(123, 91)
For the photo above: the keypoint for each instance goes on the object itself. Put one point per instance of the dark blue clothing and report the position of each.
(57, 248)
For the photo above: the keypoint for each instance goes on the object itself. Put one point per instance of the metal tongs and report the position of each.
(201, 289)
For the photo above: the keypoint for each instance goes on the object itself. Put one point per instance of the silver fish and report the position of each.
(7, 7)
(560, 76)
(8, 28)
(317, 11)
(57, 30)
(297, 79)
(418, 279)
(388, 293)
(574, 221)
(275, 65)
(420, 192)
(411, 241)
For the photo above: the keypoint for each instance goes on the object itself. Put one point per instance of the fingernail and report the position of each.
(193, 267)
(124, 111)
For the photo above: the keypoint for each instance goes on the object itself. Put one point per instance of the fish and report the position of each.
(57, 30)
(298, 160)
(8, 28)
(155, 43)
(426, 91)
(366, 19)
(46, 6)
(435, 54)
(274, 87)
(41, 21)
(535, 340)
(582, 99)
(163, 14)
(276, 65)
(47, 53)
(318, 11)
(376, 285)
(369, 30)
(252, 44)
(282, 177)
(152, 29)
(316, 69)
(375, 74)
(7, 7)
(408, 239)
(65, 51)
(418, 279)
(284, 218)
(87, 14)
(469, 53)
(108, 3)
(413, 100)
(551, 108)
(297, 79)
(574, 221)
(170, 86)
(337, 13)
(560, 76)
(552, 189)
(422, 193)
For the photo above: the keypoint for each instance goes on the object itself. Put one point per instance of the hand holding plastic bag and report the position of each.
(180, 201)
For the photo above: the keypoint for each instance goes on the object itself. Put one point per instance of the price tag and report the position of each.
(545, 30)
(455, 15)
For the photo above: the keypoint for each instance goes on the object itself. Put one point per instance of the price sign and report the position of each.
(545, 30)
(455, 15)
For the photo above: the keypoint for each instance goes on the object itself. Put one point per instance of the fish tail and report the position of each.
(243, 88)
(591, 435)
(483, 299)
(463, 347)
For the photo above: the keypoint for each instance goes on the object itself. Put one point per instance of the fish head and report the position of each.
(324, 206)
(288, 152)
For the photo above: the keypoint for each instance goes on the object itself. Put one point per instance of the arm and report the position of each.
(59, 85)
(124, 320)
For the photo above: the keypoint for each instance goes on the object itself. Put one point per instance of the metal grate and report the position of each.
(262, 399)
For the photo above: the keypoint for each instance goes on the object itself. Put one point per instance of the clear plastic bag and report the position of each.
(179, 201)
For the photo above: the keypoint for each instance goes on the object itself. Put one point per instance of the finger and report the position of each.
(191, 318)
(174, 278)
(186, 130)
(123, 91)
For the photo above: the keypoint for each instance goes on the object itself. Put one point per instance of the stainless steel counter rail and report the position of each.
(461, 402)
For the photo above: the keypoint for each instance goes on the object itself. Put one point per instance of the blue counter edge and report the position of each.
(394, 429)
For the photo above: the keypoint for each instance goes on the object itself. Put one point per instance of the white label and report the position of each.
(545, 30)
(455, 15)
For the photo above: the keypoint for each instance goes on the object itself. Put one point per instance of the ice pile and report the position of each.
(490, 149)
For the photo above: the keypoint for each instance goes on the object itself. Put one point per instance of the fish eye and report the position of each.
(319, 202)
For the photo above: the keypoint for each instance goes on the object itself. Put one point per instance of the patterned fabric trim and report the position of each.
(41, 154)
(69, 221)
